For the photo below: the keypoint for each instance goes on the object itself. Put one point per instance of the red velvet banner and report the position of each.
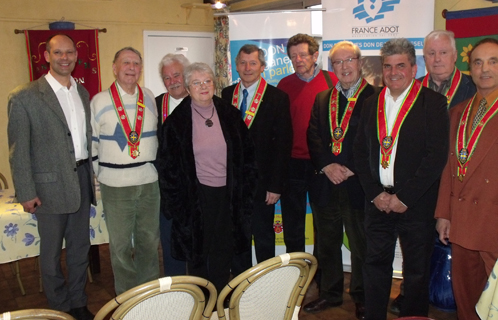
(87, 69)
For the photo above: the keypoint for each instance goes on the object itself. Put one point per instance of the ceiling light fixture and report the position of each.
(218, 5)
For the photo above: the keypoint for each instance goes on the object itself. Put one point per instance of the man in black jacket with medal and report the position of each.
(265, 110)
(400, 150)
(339, 199)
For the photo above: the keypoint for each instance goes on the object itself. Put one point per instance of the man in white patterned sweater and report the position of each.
(124, 123)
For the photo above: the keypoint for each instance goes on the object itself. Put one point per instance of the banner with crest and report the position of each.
(469, 27)
(87, 69)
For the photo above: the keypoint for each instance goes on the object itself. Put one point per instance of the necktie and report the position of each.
(479, 114)
(243, 106)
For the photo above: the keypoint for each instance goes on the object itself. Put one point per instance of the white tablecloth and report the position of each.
(19, 238)
(487, 307)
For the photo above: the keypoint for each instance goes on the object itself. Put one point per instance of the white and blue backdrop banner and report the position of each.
(270, 32)
(371, 23)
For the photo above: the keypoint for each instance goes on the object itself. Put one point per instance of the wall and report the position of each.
(125, 21)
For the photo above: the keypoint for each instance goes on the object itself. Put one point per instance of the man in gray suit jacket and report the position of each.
(49, 135)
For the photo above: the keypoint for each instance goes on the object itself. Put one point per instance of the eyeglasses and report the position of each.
(338, 63)
(300, 55)
(198, 84)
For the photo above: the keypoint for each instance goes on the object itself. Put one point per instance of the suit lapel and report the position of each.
(485, 143)
(50, 99)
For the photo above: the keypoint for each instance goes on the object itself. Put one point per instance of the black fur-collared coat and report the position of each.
(180, 186)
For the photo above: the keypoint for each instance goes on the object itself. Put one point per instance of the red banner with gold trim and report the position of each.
(87, 69)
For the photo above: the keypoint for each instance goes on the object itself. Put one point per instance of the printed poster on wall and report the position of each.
(371, 23)
(270, 32)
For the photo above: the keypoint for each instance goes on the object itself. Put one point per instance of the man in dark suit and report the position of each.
(466, 210)
(171, 71)
(400, 150)
(265, 110)
(339, 199)
(50, 144)
(440, 57)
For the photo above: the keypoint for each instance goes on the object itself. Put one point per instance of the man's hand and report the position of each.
(443, 228)
(382, 202)
(349, 173)
(335, 172)
(31, 205)
(271, 198)
(396, 205)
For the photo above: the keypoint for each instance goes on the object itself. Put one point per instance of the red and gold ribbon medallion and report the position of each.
(386, 140)
(256, 101)
(165, 106)
(465, 149)
(455, 82)
(339, 130)
(132, 135)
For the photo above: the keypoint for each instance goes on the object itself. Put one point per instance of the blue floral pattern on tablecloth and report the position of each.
(487, 306)
(20, 238)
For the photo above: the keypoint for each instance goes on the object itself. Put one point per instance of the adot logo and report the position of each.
(372, 10)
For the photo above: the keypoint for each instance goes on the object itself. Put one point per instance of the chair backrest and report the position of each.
(273, 289)
(414, 318)
(175, 298)
(36, 314)
(3, 182)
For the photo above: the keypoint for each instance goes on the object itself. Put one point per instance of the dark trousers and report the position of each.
(416, 233)
(328, 222)
(218, 237)
(172, 267)
(262, 219)
(74, 228)
(293, 203)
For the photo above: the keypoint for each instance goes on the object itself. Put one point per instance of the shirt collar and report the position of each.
(56, 85)
(315, 73)
(348, 93)
(490, 98)
(402, 96)
(122, 92)
(251, 90)
(444, 84)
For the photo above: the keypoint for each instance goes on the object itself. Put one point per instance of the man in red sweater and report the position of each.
(302, 87)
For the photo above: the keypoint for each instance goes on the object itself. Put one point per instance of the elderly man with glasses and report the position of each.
(331, 132)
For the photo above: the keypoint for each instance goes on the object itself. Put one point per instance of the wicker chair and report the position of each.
(175, 298)
(273, 289)
(36, 314)
(414, 318)
(3, 182)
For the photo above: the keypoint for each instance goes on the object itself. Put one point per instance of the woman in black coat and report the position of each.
(207, 175)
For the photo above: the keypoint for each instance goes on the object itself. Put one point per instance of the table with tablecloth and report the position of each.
(487, 307)
(19, 238)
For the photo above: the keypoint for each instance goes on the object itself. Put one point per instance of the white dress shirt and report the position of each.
(72, 106)
(173, 103)
(251, 91)
(392, 110)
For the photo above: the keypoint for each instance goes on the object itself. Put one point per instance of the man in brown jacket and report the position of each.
(467, 208)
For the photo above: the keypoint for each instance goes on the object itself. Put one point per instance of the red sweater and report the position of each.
(302, 97)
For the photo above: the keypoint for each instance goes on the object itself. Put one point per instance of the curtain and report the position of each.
(222, 67)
